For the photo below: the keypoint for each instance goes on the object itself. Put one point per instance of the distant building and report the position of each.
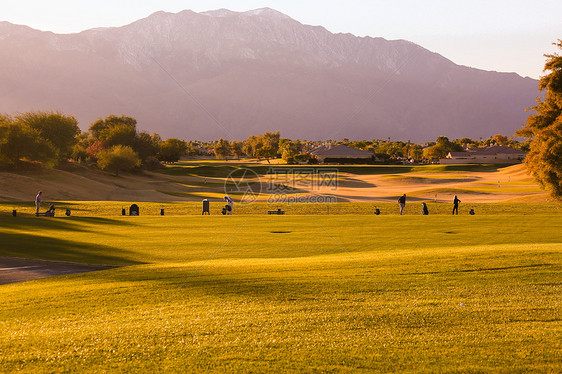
(489, 155)
(342, 154)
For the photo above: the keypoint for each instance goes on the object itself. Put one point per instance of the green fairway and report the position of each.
(220, 169)
(107, 209)
(305, 293)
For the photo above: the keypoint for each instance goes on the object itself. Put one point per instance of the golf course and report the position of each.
(323, 288)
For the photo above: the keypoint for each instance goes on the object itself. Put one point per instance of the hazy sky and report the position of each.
(501, 35)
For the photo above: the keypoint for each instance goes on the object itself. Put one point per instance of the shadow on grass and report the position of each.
(191, 281)
(483, 269)
(33, 223)
(221, 171)
(54, 249)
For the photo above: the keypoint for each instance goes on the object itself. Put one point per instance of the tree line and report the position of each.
(114, 143)
(53, 138)
(271, 145)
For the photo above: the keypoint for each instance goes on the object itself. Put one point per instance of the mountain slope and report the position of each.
(227, 74)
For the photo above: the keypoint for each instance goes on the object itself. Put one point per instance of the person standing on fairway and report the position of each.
(402, 203)
(229, 204)
(456, 202)
(38, 202)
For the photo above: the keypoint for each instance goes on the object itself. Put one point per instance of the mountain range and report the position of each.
(228, 74)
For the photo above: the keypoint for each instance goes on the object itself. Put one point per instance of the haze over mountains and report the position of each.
(226, 74)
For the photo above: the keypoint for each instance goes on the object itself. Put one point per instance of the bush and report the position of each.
(152, 163)
(118, 158)
(303, 157)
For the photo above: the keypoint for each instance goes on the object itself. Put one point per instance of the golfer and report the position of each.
(38, 202)
(229, 203)
(402, 203)
(456, 202)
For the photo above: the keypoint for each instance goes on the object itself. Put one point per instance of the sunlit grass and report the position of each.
(114, 208)
(286, 294)
(221, 169)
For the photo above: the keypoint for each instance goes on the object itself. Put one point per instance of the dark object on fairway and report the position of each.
(206, 207)
(276, 212)
(123, 212)
(425, 211)
(402, 203)
(472, 212)
(48, 213)
(162, 211)
(14, 213)
(134, 210)
(377, 212)
(67, 212)
(456, 203)
(226, 210)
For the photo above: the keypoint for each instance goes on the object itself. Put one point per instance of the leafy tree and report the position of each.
(94, 150)
(442, 148)
(115, 130)
(79, 154)
(362, 144)
(237, 149)
(501, 139)
(289, 149)
(171, 150)
(122, 130)
(118, 158)
(147, 146)
(120, 134)
(222, 149)
(388, 149)
(79, 151)
(488, 142)
(303, 157)
(263, 146)
(60, 130)
(544, 159)
(436, 152)
(416, 152)
(263, 152)
(250, 146)
(466, 141)
(270, 146)
(524, 146)
(19, 141)
(101, 129)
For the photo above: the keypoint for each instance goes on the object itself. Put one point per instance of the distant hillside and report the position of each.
(226, 74)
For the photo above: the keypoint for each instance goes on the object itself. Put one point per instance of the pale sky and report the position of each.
(499, 35)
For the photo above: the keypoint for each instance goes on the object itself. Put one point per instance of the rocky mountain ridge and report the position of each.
(228, 74)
